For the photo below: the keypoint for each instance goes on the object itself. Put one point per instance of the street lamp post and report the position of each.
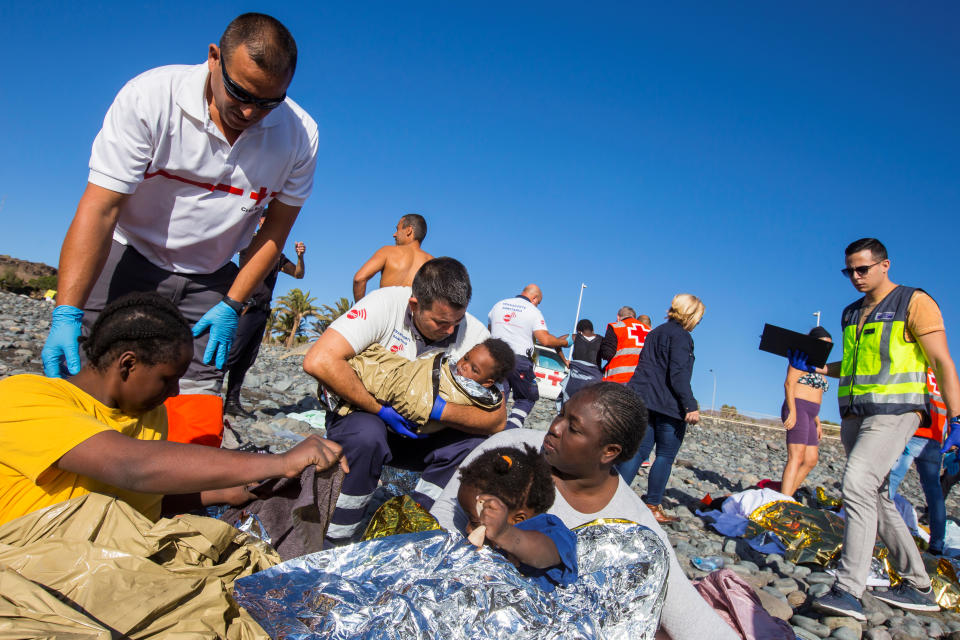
(713, 402)
(817, 313)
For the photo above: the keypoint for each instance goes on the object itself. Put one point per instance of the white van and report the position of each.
(550, 371)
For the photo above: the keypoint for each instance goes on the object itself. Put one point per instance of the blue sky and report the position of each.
(727, 150)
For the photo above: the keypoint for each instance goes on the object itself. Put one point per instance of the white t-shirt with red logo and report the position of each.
(514, 320)
(194, 198)
(383, 317)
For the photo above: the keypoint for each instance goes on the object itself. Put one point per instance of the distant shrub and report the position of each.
(36, 287)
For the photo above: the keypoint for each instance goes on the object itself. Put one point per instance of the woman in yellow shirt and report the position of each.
(104, 429)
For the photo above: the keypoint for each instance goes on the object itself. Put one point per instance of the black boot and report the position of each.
(232, 407)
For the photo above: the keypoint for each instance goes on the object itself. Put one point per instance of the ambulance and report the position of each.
(550, 371)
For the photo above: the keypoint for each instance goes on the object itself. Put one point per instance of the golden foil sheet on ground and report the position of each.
(400, 514)
(436, 585)
(827, 500)
(809, 535)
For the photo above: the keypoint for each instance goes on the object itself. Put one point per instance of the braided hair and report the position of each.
(518, 477)
(624, 416)
(146, 323)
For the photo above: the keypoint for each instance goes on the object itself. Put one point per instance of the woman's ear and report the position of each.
(610, 453)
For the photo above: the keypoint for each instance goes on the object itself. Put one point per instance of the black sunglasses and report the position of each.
(239, 94)
(861, 271)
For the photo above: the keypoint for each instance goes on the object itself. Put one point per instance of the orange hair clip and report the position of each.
(509, 461)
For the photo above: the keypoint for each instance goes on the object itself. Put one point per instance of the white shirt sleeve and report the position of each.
(123, 149)
(299, 183)
(368, 321)
(539, 324)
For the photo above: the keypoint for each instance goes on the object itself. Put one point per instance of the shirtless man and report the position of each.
(398, 264)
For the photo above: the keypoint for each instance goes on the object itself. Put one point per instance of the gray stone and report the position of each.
(817, 590)
(785, 585)
(845, 633)
(877, 633)
(803, 634)
(775, 606)
(252, 381)
(820, 630)
(818, 577)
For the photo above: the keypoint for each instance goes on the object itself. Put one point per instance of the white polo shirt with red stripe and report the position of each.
(383, 317)
(195, 199)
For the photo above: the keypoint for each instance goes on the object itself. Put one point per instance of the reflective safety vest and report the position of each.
(881, 373)
(937, 409)
(631, 334)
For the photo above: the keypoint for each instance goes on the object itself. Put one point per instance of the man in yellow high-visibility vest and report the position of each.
(890, 337)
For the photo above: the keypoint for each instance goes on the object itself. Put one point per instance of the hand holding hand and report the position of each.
(398, 424)
(798, 360)
(61, 345)
(567, 341)
(493, 516)
(222, 321)
(313, 450)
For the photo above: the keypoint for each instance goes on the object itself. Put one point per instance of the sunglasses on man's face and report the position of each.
(240, 94)
(860, 271)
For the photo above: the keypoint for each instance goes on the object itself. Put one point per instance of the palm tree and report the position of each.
(329, 314)
(273, 324)
(293, 308)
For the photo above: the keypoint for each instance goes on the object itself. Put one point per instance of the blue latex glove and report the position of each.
(397, 423)
(953, 438)
(222, 322)
(798, 360)
(437, 410)
(61, 344)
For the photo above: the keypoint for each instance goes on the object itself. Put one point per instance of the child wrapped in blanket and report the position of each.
(505, 493)
(412, 386)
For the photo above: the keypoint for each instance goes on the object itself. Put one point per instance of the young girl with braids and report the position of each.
(104, 429)
(505, 493)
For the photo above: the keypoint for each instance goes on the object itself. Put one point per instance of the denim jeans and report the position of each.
(926, 453)
(666, 434)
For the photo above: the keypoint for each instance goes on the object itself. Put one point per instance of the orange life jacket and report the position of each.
(937, 409)
(195, 419)
(631, 334)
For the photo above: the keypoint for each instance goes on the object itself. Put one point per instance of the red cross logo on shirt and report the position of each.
(637, 333)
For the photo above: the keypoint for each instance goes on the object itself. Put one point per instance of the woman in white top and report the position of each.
(599, 427)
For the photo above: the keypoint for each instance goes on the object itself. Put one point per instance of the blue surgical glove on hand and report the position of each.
(953, 438)
(437, 411)
(397, 423)
(62, 343)
(798, 360)
(222, 321)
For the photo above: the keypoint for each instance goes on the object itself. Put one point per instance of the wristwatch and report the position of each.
(233, 304)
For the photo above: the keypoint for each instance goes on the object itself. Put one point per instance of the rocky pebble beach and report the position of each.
(717, 458)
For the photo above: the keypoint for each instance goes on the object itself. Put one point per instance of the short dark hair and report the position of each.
(502, 356)
(442, 279)
(519, 477)
(419, 225)
(269, 43)
(877, 250)
(584, 325)
(146, 323)
(624, 416)
(819, 332)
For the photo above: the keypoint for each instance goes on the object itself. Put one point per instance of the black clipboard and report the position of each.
(777, 340)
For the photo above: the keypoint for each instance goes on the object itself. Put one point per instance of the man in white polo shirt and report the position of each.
(188, 159)
(419, 321)
(517, 321)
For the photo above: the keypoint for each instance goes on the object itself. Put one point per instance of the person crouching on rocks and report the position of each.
(104, 429)
(505, 493)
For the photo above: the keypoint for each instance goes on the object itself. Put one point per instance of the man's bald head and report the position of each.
(626, 312)
(644, 319)
(532, 292)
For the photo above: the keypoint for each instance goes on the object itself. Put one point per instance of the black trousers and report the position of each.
(246, 346)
